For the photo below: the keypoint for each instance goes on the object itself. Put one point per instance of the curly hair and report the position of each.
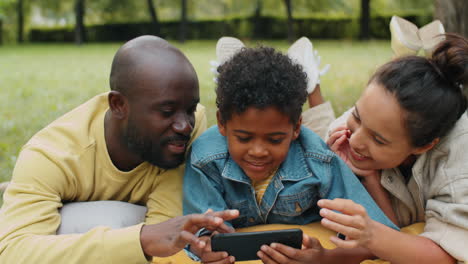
(260, 77)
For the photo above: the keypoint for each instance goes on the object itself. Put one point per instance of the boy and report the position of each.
(259, 159)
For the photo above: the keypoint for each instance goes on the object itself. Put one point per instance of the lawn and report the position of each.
(38, 83)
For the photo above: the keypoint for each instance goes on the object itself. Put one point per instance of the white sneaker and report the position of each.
(405, 39)
(302, 53)
(431, 35)
(227, 47)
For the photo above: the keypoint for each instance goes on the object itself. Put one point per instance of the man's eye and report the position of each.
(167, 112)
(192, 110)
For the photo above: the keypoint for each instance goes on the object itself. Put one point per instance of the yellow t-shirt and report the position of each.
(68, 161)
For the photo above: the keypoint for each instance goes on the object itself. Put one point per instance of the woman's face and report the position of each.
(379, 139)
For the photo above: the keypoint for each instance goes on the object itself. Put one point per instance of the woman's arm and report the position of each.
(380, 195)
(384, 242)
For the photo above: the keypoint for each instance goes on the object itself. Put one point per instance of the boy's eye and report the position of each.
(275, 140)
(243, 139)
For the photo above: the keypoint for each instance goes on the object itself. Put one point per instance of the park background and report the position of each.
(55, 55)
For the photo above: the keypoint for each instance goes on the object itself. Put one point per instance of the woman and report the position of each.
(406, 139)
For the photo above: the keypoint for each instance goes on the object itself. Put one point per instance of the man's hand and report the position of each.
(311, 252)
(208, 256)
(169, 237)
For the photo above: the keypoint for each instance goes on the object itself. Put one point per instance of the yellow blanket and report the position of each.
(313, 230)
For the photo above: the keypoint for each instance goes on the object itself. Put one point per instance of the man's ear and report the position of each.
(297, 128)
(118, 105)
(423, 149)
(221, 124)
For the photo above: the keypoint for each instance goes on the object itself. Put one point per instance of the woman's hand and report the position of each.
(311, 252)
(338, 142)
(353, 222)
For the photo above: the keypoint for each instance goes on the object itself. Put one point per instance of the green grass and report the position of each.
(38, 83)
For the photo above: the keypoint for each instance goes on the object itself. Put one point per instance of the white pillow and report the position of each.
(80, 217)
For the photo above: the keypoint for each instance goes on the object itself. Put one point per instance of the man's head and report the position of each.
(153, 99)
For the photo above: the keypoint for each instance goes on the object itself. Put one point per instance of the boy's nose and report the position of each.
(257, 150)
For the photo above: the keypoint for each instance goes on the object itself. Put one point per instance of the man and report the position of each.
(126, 145)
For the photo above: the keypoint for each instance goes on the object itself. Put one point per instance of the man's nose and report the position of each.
(182, 124)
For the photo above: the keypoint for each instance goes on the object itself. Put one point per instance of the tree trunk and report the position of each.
(183, 21)
(1, 32)
(79, 25)
(154, 17)
(453, 14)
(290, 20)
(257, 20)
(19, 7)
(365, 20)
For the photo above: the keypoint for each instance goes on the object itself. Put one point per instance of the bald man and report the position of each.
(126, 146)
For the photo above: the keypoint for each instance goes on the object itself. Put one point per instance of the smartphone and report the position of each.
(244, 246)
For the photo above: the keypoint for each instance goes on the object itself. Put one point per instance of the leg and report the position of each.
(320, 115)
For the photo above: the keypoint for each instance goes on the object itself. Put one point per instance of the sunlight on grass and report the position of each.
(41, 82)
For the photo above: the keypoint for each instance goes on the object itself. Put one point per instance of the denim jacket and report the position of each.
(310, 172)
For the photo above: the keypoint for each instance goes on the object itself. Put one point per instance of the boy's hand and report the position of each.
(338, 142)
(353, 222)
(169, 237)
(311, 252)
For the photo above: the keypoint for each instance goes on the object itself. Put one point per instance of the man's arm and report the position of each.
(29, 220)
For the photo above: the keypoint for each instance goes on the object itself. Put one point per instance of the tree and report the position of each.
(20, 12)
(183, 21)
(365, 19)
(79, 25)
(453, 14)
(154, 17)
(290, 20)
(257, 20)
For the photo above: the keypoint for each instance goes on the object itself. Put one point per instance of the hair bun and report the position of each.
(450, 59)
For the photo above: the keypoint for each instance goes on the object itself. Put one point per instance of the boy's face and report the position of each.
(259, 139)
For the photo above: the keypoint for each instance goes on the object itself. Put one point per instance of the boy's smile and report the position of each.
(259, 139)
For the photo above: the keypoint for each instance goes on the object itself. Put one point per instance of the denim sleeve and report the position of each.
(344, 184)
(202, 191)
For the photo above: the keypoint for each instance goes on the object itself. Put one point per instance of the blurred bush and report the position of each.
(336, 27)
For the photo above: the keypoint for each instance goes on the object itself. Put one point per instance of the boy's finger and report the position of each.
(266, 259)
(215, 256)
(344, 243)
(286, 251)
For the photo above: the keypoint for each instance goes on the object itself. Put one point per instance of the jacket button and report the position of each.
(251, 220)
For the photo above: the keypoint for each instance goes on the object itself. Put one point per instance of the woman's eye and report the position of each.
(380, 142)
(355, 117)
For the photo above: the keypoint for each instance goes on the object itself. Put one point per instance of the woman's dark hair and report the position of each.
(260, 78)
(430, 90)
